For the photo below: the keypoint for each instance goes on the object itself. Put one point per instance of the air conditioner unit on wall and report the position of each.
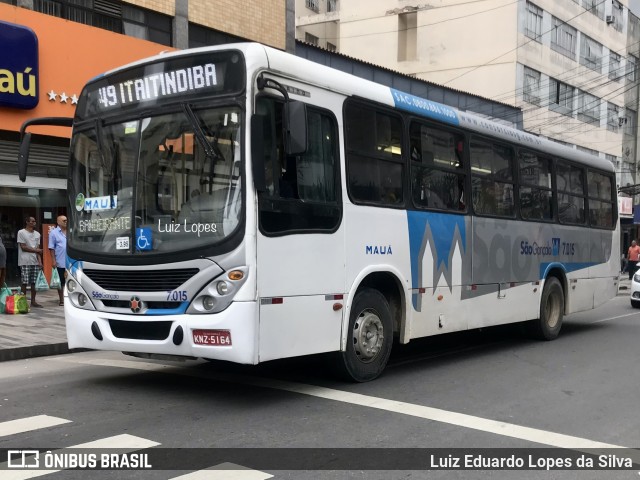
(610, 19)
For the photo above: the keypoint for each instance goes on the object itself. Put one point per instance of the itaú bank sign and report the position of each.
(18, 66)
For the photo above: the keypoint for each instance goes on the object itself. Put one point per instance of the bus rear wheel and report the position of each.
(369, 337)
(548, 326)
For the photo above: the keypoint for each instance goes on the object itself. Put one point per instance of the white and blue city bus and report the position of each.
(242, 204)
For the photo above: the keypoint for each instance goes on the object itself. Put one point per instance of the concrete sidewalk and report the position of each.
(38, 333)
(42, 332)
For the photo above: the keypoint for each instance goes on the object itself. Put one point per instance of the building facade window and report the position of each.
(632, 68)
(564, 38)
(533, 28)
(312, 39)
(630, 121)
(332, 6)
(113, 16)
(591, 53)
(588, 108)
(594, 6)
(613, 114)
(615, 19)
(331, 47)
(200, 36)
(560, 97)
(531, 86)
(313, 5)
(615, 69)
(147, 25)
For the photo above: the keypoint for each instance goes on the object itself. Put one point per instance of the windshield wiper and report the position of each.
(210, 150)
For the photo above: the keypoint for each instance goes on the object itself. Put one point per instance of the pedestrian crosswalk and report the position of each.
(124, 443)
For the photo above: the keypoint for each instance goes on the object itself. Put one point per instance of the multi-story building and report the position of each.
(571, 65)
(50, 48)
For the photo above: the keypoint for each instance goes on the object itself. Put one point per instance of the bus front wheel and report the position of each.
(369, 337)
(548, 326)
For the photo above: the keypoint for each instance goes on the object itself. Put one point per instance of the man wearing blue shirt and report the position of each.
(58, 250)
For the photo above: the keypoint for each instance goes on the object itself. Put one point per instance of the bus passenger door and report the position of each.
(300, 240)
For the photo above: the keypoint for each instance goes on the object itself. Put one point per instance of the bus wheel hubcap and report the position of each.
(368, 336)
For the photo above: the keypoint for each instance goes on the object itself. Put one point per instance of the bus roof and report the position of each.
(260, 57)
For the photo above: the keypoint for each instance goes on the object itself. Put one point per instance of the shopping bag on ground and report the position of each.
(41, 282)
(16, 304)
(55, 279)
(4, 293)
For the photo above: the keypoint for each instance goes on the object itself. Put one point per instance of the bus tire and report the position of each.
(369, 337)
(548, 326)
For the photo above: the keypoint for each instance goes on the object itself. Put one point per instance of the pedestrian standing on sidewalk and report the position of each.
(29, 258)
(633, 256)
(58, 250)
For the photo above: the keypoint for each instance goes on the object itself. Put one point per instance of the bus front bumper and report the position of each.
(146, 334)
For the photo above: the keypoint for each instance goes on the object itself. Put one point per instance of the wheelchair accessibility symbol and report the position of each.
(144, 239)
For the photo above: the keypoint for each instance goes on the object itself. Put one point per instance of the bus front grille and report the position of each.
(140, 280)
(140, 330)
(152, 304)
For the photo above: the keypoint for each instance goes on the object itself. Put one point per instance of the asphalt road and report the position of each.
(448, 396)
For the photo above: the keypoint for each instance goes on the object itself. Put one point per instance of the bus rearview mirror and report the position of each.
(23, 156)
(296, 115)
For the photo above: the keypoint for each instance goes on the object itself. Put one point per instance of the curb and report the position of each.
(20, 353)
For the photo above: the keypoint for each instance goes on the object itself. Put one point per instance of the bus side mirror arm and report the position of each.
(25, 139)
(295, 118)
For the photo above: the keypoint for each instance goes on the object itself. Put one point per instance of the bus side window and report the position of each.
(437, 168)
(375, 166)
(298, 186)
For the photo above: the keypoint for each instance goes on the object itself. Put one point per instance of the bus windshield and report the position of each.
(158, 184)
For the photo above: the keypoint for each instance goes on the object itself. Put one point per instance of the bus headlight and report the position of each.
(219, 293)
(208, 302)
(222, 287)
(76, 294)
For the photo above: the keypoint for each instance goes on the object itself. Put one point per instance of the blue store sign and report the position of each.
(18, 66)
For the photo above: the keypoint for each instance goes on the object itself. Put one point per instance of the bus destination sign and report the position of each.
(163, 82)
(158, 85)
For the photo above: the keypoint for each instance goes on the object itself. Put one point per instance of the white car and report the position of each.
(635, 290)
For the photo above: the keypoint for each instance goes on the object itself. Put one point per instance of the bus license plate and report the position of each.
(212, 337)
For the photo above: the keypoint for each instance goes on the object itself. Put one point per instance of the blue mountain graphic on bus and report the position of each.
(440, 230)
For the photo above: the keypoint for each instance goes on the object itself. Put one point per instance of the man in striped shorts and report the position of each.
(29, 257)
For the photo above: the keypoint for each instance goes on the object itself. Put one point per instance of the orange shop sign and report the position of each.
(69, 54)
